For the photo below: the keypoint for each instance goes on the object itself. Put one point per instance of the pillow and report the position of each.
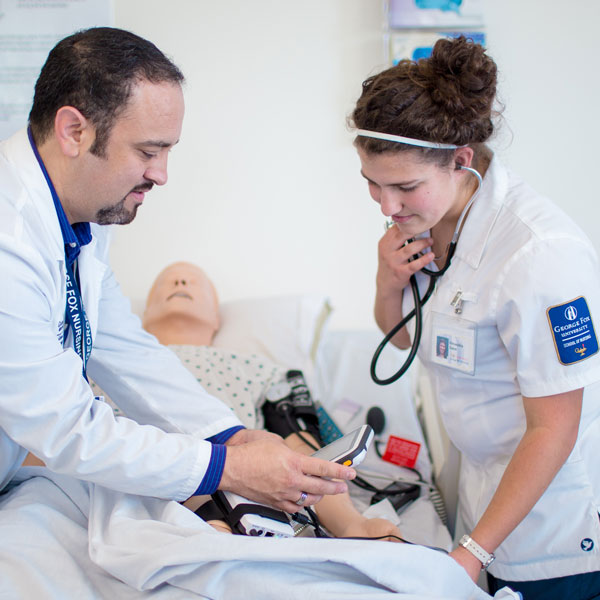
(285, 329)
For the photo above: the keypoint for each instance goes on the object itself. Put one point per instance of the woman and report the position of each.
(518, 389)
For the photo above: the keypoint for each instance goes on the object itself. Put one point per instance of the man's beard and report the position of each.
(118, 214)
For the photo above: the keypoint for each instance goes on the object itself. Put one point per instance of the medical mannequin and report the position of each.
(182, 310)
(519, 401)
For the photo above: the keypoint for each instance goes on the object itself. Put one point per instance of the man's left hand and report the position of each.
(250, 435)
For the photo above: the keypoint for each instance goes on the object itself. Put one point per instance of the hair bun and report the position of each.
(462, 79)
(446, 98)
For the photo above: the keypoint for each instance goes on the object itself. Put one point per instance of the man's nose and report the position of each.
(157, 170)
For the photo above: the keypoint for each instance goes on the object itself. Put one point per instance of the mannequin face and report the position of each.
(182, 298)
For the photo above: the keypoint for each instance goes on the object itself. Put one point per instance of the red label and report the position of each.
(401, 452)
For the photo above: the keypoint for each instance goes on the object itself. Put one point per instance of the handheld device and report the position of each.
(350, 449)
(250, 518)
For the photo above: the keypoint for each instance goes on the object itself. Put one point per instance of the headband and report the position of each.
(404, 140)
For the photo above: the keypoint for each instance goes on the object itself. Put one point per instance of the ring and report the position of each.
(302, 499)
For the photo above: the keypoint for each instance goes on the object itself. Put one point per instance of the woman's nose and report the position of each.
(390, 202)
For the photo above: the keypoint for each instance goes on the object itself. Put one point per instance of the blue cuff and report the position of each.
(212, 477)
(221, 438)
(216, 464)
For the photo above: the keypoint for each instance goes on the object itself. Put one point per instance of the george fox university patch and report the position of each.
(573, 330)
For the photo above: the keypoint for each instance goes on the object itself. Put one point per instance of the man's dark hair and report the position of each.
(94, 71)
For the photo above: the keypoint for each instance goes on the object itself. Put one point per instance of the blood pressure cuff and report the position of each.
(218, 509)
(292, 410)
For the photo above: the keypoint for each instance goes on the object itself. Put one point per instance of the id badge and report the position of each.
(453, 343)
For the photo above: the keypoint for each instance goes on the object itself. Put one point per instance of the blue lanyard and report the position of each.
(77, 320)
(75, 316)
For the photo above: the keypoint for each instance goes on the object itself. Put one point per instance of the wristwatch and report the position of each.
(485, 558)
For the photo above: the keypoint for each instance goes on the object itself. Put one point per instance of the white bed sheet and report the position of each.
(62, 538)
(137, 547)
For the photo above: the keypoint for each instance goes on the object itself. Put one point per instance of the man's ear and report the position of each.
(73, 131)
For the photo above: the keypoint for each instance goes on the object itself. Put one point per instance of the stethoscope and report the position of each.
(417, 311)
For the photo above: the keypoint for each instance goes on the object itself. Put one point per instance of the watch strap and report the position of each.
(485, 558)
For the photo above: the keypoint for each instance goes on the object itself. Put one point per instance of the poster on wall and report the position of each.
(28, 31)
(410, 14)
(419, 44)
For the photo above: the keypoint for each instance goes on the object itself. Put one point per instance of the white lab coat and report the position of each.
(46, 406)
(518, 255)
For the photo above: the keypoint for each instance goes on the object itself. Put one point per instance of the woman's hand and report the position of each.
(394, 253)
(393, 275)
(466, 560)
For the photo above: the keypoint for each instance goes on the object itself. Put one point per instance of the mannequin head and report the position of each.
(182, 306)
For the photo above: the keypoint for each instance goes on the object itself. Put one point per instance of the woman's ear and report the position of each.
(73, 131)
(463, 157)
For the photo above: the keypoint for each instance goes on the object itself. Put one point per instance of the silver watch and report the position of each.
(485, 558)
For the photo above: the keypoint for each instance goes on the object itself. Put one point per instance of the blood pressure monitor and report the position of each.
(350, 449)
(250, 518)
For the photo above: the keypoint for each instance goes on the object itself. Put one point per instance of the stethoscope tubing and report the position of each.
(417, 311)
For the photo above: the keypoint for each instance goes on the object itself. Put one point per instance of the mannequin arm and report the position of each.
(337, 513)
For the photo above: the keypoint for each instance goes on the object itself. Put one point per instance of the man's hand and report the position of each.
(243, 436)
(267, 471)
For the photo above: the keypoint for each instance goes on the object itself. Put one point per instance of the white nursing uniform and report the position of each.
(528, 286)
(46, 406)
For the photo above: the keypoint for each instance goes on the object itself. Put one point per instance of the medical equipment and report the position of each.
(419, 302)
(247, 517)
(289, 407)
(350, 449)
(251, 518)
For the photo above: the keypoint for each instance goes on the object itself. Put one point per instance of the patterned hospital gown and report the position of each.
(239, 380)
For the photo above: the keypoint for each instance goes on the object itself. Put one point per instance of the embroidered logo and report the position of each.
(587, 544)
(573, 331)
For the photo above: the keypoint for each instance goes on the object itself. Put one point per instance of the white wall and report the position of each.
(547, 54)
(264, 188)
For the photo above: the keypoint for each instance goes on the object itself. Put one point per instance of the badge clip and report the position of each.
(457, 302)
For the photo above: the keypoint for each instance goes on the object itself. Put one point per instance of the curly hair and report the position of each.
(94, 70)
(445, 98)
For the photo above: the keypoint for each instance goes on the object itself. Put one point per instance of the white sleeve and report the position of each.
(47, 407)
(543, 275)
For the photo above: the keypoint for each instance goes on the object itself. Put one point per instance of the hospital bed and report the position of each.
(135, 547)
(293, 331)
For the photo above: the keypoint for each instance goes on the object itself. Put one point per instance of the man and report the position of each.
(108, 108)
